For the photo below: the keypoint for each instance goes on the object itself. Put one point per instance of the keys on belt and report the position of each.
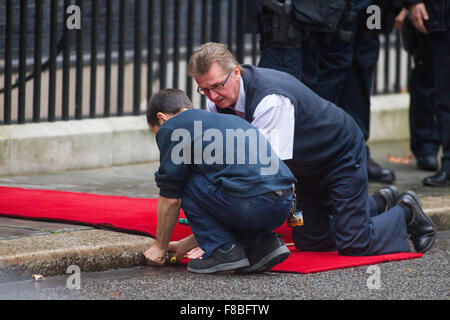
(295, 218)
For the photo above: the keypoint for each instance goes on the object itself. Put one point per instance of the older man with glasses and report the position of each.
(325, 150)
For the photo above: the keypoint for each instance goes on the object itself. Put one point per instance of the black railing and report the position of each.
(124, 51)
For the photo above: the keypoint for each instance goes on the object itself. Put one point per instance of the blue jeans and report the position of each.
(218, 219)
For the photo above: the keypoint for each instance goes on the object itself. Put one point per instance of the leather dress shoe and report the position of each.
(390, 195)
(427, 163)
(421, 228)
(440, 179)
(378, 174)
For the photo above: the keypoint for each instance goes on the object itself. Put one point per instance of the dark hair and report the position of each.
(169, 101)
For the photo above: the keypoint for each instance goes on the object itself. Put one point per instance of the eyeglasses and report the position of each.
(216, 88)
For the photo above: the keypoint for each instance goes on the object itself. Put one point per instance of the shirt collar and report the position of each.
(240, 103)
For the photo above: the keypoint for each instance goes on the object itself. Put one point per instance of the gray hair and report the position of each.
(208, 53)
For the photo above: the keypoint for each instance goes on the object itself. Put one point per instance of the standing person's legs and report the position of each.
(423, 129)
(283, 59)
(440, 49)
(355, 94)
(333, 64)
(354, 97)
(344, 77)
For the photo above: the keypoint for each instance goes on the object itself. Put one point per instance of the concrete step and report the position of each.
(91, 143)
(52, 254)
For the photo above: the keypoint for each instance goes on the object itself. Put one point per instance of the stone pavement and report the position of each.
(48, 248)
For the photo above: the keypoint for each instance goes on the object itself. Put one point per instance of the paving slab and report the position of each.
(16, 228)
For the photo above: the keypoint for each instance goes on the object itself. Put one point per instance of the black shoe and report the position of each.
(378, 174)
(390, 195)
(440, 179)
(266, 254)
(221, 260)
(421, 228)
(427, 163)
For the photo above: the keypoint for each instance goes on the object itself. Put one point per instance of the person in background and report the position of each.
(432, 18)
(424, 136)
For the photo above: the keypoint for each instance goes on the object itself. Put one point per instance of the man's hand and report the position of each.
(399, 20)
(186, 247)
(156, 256)
(168, 211)
(195, 253)
(418, 14)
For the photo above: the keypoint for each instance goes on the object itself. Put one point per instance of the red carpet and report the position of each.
(138, 215)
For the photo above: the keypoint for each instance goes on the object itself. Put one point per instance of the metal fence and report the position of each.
(124, 51)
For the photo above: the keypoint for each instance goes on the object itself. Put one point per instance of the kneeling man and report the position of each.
(233, 188)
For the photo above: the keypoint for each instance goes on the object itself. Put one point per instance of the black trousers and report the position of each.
(344, 71)
(298, 62)
(340, 215)
(422, 113)
(440, 51)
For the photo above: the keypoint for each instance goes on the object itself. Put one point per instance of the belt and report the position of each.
(278, 194)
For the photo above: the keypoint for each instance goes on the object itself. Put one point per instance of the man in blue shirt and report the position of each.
(232, 187)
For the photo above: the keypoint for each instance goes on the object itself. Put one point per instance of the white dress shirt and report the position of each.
(274, 118)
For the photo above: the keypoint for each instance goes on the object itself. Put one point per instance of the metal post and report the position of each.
(137, 58)
(37, 61)
(79, 69)
(52, 66)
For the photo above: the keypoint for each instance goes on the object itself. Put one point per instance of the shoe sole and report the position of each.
(268, 262)
(430, 169)
(222, 267)
(430, 245)
(436, 184)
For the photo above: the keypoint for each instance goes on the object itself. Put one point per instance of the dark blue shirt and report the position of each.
(228, 150)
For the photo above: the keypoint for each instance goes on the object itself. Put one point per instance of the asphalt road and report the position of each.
(424, 278)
